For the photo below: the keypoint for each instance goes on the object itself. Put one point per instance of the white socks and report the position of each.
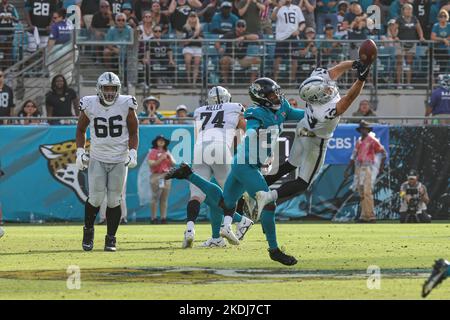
(227, 220)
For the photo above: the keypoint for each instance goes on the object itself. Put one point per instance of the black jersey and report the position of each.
(41, 12)
(6, 101)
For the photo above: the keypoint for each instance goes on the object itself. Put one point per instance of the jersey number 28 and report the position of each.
(102, 126)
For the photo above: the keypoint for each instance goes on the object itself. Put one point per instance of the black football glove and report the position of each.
(363, 70)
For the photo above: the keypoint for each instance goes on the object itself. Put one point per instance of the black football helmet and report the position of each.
(261, 89)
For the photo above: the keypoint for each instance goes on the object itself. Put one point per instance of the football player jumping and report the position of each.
(113, 126)
(216, 125)
(324, 106)
(264, 119)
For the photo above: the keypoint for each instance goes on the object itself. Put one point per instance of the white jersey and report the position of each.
(218, 122)
(321, 119)
(108, 127)
(288, 19)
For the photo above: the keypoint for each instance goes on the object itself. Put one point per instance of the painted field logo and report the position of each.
(74, 280)
(61, 159)
(374, 280)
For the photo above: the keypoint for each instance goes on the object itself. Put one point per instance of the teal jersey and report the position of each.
(263, 129)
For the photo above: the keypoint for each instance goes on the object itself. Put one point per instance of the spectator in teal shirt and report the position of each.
(120, 33)
(441, 34)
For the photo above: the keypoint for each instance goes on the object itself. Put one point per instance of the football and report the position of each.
(368, 52)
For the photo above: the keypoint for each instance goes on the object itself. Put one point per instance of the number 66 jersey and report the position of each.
(108, 127)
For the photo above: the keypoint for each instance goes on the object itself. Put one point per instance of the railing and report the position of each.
(405, 64)
(411, 120)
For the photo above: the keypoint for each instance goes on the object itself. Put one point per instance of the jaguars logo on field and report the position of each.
(61, 159)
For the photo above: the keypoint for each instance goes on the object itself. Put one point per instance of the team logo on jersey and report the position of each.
(61, 159)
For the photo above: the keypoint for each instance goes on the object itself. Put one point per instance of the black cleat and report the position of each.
(88, 239)
(438, 274)
(110, 243)
(182, 172)
(281, 257)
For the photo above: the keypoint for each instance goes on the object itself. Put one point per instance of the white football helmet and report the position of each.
(218, 95)
(108, 79)
(317, 90)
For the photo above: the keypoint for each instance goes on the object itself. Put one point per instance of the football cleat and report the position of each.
(242, 227)
(188, 240)
(262, 198)
(249, 205)
(2, 232)
(88, 239)
(214, 243)
(281, 257)
(439, 273)
(182, 172)
(110, 243)
(227, 233)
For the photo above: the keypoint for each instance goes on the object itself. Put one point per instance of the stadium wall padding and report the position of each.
(41, 182)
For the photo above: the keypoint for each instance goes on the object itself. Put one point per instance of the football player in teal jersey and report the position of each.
(264, 120)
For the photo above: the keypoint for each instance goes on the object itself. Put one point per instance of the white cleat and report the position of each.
(249, 205)
(188, 240)
(2, 232)
(242, 227)
(262, 198)
(228, 234)
(214, 243)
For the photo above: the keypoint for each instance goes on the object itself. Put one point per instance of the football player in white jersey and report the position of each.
(216, 125)
(324, 106)
(113, 126)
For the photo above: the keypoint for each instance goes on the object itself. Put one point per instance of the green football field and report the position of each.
(149, 263)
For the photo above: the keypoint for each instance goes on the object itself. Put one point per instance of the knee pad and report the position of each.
(96, 198)
(114, 199)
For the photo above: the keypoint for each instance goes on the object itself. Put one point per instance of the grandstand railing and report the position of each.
(393, 120)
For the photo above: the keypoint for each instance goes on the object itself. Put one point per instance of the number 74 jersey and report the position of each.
(108, 127)
(217, 122)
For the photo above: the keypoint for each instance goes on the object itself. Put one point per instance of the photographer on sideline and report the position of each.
(414, 199)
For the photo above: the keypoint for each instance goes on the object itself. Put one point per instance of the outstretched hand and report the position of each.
(363, 69)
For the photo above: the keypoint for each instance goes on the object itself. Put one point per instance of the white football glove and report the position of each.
(132, 159)
(82, 159)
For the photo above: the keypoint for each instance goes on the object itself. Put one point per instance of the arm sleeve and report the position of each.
(295, 114)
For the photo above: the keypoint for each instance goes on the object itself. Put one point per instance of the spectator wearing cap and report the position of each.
(341, 29)
(364, 110)
(181, 112)
(408, 29)
(140, 6)
(393, 47)
(127, 9)
(150, 114)
(179, 11)
(441, 34)
(439, 102)
(308, 7)
(287, 34)
(192, 50)
(413, 191)
(308, 52)
(250, 10)
(237, 51)
(160, 161)
(223, 21)
(326, 14)
(368, 161)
